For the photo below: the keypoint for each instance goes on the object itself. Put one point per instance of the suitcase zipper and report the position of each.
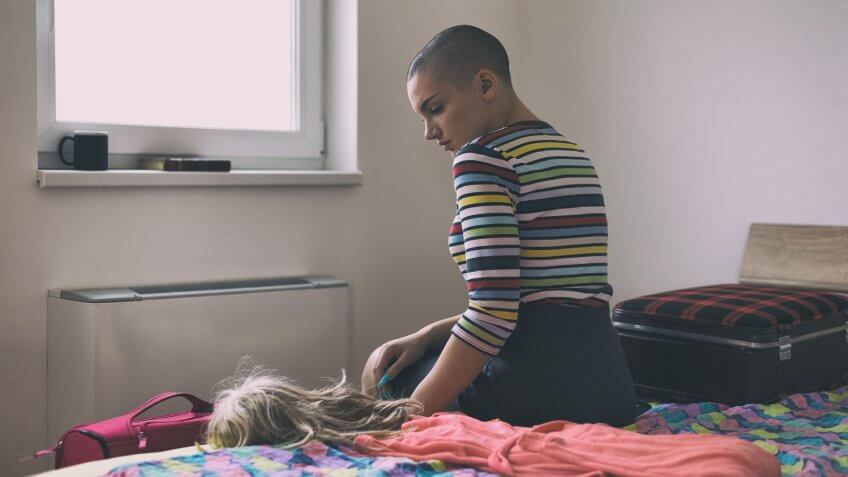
(784, 343)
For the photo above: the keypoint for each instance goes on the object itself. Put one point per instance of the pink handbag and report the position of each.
(126, 434)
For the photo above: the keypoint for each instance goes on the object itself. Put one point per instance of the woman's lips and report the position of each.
(445, 145)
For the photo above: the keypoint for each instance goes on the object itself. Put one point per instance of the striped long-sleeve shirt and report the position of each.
(530, 226)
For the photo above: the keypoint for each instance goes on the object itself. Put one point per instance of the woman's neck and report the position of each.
(513, 111)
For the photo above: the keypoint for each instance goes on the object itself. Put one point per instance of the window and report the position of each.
(235, 79)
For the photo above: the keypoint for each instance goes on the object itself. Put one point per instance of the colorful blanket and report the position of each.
(312, 460)
(807, 433)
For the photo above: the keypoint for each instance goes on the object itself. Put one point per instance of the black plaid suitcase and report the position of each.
(781, 330)
(734, 343)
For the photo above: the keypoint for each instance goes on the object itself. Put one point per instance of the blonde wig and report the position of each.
(258, 406)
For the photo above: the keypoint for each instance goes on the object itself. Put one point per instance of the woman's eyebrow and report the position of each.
(424, 103)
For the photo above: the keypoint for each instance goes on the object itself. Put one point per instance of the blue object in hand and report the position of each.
(382, 393)
(387, 395)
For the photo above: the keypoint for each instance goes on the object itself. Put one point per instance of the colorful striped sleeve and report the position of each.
(487, 190)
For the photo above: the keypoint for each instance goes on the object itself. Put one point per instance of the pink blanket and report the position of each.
(565, 448)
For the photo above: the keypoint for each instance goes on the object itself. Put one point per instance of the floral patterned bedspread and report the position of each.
(807, 433)
(312, 460)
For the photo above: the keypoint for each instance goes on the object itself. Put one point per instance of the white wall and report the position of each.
(701, 117)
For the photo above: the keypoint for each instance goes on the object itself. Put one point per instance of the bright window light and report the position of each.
(206, 64)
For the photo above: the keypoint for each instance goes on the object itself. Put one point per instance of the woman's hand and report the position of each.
(455, 369)
(389, 359)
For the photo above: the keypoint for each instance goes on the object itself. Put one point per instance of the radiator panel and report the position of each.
(106, 358)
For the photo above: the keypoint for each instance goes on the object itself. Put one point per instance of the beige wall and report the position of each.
(701, 117)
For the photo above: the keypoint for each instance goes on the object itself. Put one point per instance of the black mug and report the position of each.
(91, 150)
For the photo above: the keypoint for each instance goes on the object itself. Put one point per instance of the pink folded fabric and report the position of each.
(566, 448)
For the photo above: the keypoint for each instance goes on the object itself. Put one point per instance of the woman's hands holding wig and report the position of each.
(389, 359)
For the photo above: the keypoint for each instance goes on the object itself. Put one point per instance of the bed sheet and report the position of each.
(100, 467)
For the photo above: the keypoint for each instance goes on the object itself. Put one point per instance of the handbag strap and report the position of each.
(38, 454)
(197, 405)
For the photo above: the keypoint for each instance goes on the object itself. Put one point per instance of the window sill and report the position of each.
(237, 178)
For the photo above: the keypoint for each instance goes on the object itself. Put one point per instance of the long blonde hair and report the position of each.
(258, 406)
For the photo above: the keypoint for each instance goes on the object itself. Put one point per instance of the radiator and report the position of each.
(109, 349)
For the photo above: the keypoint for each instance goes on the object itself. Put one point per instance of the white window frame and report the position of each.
(300, 149)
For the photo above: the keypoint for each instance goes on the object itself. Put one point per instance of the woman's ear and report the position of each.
(487, 83)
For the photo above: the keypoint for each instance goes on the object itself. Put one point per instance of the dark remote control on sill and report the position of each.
(195, 165)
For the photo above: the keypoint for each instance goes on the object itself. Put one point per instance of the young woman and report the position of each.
(530, 237)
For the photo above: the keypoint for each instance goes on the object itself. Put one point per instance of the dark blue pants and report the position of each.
(561, 362)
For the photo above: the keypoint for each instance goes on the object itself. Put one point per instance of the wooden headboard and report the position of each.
(802, 256)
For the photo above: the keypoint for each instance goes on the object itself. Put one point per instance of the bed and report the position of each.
(807, 433)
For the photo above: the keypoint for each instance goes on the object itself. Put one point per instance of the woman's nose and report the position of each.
(430, 132)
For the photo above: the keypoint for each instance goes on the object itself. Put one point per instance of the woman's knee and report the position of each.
(369, 381)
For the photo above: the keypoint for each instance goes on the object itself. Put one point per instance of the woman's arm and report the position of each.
(455, 369)
(392, 357)
(487, 188)
(438, 332)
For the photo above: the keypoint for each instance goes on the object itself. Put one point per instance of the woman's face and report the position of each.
(452, 116)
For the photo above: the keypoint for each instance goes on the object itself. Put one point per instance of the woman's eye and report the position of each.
(436, 110)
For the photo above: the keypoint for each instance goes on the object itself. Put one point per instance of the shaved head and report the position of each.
(456, 54)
